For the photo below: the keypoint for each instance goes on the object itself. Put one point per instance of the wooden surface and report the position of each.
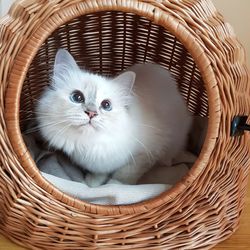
(240, 240)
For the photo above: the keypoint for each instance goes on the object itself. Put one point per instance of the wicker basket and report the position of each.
(190, 38)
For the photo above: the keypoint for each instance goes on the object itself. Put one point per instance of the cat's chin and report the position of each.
(89, 126)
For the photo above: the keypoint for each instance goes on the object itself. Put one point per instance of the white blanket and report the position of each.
(67, 177)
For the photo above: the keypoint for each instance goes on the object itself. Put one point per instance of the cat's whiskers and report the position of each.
(72, 109)
(149, 126)
(43, 113)
(42, 117)
(38, 127)
(59, 132)
(148, 152)
(99, 124)
(56, 115)
(132, 157)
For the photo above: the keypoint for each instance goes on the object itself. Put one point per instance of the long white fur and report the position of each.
(148, 122)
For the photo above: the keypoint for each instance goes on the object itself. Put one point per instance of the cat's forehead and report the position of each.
(90, 88)
(95, 86)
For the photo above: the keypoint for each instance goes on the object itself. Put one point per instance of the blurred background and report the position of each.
(236, 12)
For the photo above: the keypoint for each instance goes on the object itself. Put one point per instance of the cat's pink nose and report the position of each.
(91, 114)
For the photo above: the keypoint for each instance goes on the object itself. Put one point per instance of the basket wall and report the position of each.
(188, 37)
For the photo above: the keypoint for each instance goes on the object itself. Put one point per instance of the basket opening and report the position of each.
(108, 42)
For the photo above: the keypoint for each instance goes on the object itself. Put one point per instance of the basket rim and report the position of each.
(157, 16)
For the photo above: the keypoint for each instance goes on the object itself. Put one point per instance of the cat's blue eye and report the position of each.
(77, 96)
(106, 105)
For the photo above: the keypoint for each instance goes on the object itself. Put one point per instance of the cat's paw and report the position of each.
(114, 181)
(124, 178)
(95, 180)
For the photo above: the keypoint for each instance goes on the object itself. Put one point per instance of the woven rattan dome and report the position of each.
(190, 38)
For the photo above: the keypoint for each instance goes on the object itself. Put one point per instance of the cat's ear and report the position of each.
(126, 79)
(64, 60)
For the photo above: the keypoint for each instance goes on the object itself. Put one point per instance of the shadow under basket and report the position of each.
(191, 39)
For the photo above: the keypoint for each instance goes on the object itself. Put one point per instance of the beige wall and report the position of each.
(236, 12)
(4, 6)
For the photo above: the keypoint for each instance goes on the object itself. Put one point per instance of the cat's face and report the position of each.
(79, 101)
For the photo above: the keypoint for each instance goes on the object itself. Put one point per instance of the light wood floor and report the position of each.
(239, 241)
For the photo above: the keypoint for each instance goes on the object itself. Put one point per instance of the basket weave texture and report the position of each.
(188, 37)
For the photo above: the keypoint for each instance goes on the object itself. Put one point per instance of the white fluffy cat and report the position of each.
(117, 126)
